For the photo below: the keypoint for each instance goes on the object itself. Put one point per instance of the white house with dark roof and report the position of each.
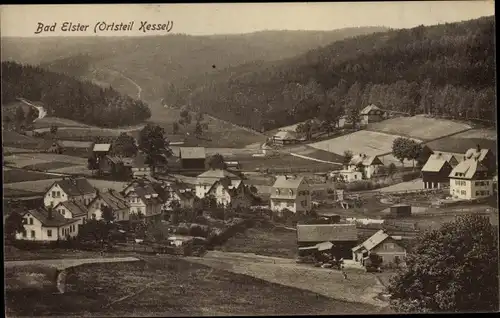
(207, 179)
(112, 199)
(371, 114)
(69, 189)
(367, 165)
(231, 193)
(72, 210)
(179, 193)
(42, 225)
(386, 246)
(471, 179)
(144, 197)
(292, 193)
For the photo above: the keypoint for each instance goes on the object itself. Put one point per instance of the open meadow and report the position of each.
(17, 175)
(161, 286)
(40, 186)
(47, 122)
(366, 142)
(460, 143)
(418, 127)
(43, 161)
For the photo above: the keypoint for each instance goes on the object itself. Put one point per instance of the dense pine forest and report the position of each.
(66, 97)
(446, 70)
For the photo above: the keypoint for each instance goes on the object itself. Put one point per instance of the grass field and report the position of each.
(269, 242)
(33, 159)
(17, 140)
(282, 161)
(8, 193)
(49, 166)
(460, 143)
(418, 127)
(367, 142)
(41, 186)
(164, 287)
(15, 175)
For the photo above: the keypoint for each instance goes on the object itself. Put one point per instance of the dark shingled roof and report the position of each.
(76, 186)
(77, 208)
(42, 215)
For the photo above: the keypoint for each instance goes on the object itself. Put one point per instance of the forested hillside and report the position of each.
(446, 70)
(66, 97)
(157, 62)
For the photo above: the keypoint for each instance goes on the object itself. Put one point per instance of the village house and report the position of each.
(69, 189)
(207, 179)
(143, 198)
(292, 193)
(436, 171)
(231, 193)
(470, 179)
(485, 156)
(42, 225)
(181, 194)
(116, 166)
(285, 137)
(192, 158)
(101, 150)
(112, 199)
(389, 248)
(311, 238)
(371, 114)
(367, 165)
(72, 210)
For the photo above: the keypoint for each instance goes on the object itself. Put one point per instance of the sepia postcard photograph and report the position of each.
(223, 159)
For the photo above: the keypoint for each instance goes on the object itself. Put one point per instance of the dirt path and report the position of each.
(61, 264)
(359, 287)
(139, 88)
(41, 111)
(314, 159)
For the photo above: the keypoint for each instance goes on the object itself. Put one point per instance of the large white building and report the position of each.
(46, 225)
(69, 189)
(291, 193)
(227, 188)
(470, 179)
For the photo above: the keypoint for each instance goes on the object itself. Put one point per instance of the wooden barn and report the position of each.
(343, 237)
(192, 158)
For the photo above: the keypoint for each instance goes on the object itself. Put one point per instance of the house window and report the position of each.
(32, 234)
(58, 194)
(93, 216)
(291, 192)
(31, 221)
(102, 206)
(277, 191)
(53, 194)
(62, 212)
(477, 193)
(49, 233)
(24, 233)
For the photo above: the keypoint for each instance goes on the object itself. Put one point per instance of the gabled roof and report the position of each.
(288, 182)
(192, 152)
(373, 241)
(467, 169)
(285, 135)
(368, 109)
(434, 164)
(442, 155)
(230, 185)
(365, 160)
(42, 215)
(101, 147)
(75, 207)
(113, 199)
(75, 186)
(326, 232)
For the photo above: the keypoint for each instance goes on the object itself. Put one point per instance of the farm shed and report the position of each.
(342, 236)
(400, 210)
(386, 246)
(192, 158)
(436, 170)
(371, 114)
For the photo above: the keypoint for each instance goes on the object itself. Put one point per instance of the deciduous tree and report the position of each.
(124, 146)
(216, 162)
(451, 269)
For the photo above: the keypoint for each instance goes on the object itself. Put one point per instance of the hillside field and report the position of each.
(30, 159)
(366, 142)
(418, 127)
(47, 122)
(460, 143)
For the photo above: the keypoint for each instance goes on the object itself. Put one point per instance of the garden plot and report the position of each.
(366, 142)
(419, 127)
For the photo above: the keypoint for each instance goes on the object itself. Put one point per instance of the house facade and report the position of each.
(41, 225)
(371, 114)
(292, 193)
(367, 165)
(436, 171)
(69, 189)
(73, 210)
(182, 195)
(470, 179)
(387, 247)
(112, 199)
(207, 179)
(231, 193)
(144, 198)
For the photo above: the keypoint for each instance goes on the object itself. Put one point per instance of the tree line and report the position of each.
(445, 70)
(66, 97)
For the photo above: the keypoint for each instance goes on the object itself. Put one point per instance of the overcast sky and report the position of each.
(202, 19)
